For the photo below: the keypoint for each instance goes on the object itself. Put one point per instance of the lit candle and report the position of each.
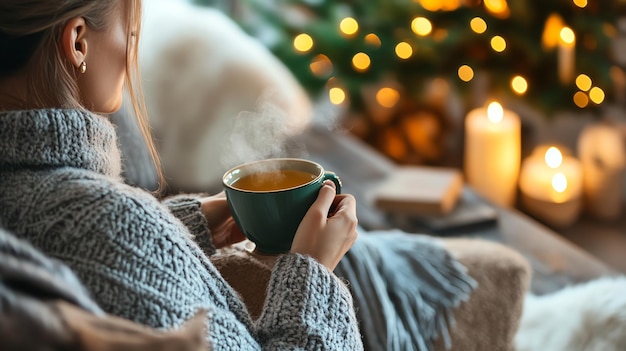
(602, 153)
(567, 58)
(551, 186)
(492, 152)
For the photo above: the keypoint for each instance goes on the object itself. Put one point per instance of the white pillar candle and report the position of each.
(603, 157)
(567, 55)
(551, 186)
(493, 152)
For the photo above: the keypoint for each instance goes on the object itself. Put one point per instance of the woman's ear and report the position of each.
(74, 41)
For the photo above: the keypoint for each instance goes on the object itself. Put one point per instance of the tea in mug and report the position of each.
(273, 180)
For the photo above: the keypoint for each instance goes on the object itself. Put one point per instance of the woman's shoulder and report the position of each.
(79, 185)
(78, 198)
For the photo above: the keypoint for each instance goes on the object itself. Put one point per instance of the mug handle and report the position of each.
(332, 176)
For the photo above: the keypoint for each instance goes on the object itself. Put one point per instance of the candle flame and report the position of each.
(559, 182)
(551, 31)
(495, 113)
(553, 157)
(567, 35)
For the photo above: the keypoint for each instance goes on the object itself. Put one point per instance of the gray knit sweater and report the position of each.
(60, 189)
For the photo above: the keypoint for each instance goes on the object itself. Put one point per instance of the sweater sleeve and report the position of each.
(187, 209)
(307, 308)
(139, 263)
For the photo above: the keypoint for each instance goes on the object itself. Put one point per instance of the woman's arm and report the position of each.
(308, 308)
(188, 209)
(139, 263)
(208, 219)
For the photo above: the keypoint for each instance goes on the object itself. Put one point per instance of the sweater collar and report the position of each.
(58, 138)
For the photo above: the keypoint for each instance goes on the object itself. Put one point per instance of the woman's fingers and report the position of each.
(324, 235)
(325, 198)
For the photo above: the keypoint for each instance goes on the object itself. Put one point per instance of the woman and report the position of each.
(64, 64)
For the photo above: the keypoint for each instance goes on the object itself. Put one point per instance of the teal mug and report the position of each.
(269, 198)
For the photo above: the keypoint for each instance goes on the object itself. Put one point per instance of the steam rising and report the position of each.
(264, 133)
(271, 132)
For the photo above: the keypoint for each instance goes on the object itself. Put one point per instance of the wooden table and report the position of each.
(556, 262)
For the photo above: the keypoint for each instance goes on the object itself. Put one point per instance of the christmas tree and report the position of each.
(553, 55)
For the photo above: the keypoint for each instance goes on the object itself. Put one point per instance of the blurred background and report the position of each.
(404, 76)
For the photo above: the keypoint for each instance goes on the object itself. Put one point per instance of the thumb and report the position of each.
(325, 197)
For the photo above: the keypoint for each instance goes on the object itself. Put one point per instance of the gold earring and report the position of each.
(83, 67)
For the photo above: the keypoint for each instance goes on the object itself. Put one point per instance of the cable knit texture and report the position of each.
(187, 209)
(60, 189)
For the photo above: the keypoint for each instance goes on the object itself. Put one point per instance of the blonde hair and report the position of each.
(40, 23)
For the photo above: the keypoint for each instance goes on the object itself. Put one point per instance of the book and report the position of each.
(419, 191)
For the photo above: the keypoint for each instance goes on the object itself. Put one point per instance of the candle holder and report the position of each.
(602, 152)
(560, 215)
(551, 186)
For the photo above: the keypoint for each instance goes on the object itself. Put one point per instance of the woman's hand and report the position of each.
(328, 229)
(223, 228)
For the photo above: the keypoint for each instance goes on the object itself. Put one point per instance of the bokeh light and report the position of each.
(421, 26)
(581, 100)
(498, 43)
(466, 73)
(373, 40)
(361, 62)
(583, 82)
(500, 8)
(478, 25)
(321, 66)
(519, 85)
(336, 95)
(596, 95)
(303, 43)
(404, 50)
(349, 26)
(387, 97)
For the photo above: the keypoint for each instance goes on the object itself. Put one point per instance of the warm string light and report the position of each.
(303, 43)
(349, 26)
(519, 85)
(499, 8)
(387, 97)
(498, 44)
(404, 50)
(466, 73)
(321, 66)
(439, 5)
(373, 40)
(361, 62)
(336, 95)
(587, 92)
(421, 26)
(478, 25)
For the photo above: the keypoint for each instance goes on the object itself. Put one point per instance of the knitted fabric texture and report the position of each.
(60, 189)
(30, 283)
